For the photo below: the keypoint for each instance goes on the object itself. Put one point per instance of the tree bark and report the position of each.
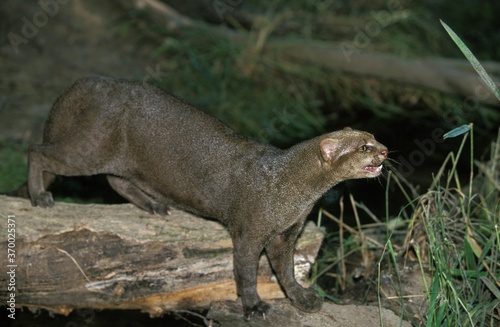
(119, 257)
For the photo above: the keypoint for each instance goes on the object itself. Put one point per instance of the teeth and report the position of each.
(374, 169)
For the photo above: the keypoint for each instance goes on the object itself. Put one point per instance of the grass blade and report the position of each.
(473, 60)
(457, 131)
(493, 288)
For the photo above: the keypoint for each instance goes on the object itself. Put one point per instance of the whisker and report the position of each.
(391, 166)
(393, 160)
(379, 179)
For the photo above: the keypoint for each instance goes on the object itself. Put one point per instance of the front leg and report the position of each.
(280, 252)
(247, 251)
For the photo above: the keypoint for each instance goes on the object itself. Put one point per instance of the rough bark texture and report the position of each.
(119, 257)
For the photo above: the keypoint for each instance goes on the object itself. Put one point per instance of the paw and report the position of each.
(43, 200)
(259, 310)
(307, 300)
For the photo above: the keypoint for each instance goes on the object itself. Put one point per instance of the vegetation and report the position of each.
(13, 167)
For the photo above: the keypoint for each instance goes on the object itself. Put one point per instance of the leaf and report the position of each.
(473, 60)
(457, 131)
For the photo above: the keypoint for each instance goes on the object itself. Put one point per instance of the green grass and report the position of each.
(463, 235)
(13, 167)
(473, 60)
(461, 224)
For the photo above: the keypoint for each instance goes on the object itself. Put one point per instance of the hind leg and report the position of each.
(66, 158)
(40, 171)
(136, 196)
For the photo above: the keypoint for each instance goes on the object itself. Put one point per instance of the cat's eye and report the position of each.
(365, 148)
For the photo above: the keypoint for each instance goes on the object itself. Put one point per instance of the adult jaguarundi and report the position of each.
(157, 151)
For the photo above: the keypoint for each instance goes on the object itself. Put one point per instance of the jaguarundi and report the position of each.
(158, 151)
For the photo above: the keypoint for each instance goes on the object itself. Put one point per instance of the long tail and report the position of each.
(21, 192)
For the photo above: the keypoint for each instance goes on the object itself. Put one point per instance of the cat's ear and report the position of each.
(347, 129)
(330, 149)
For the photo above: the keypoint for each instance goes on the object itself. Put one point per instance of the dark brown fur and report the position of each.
(158, 151)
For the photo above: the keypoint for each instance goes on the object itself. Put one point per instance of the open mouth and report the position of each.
(374, 169)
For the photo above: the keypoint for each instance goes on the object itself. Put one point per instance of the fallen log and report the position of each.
(444, 75)
(350, 57)
(119, 257)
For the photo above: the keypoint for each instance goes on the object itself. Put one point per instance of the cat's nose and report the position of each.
(384, 153)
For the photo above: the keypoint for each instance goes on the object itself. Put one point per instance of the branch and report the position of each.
(444, 75)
